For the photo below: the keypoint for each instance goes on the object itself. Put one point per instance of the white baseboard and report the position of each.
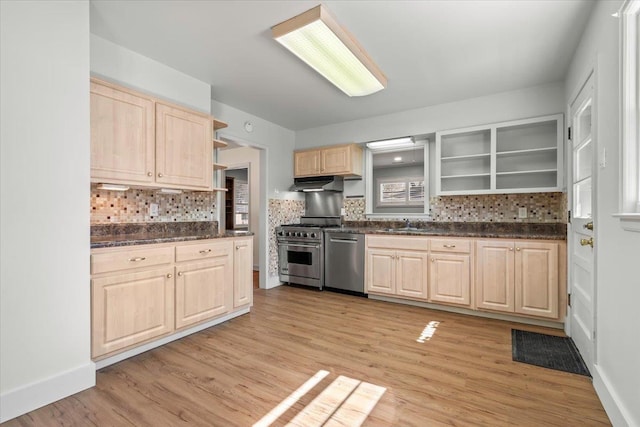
(162, 341)
(35, 395)
(618, 414)
(273, 282)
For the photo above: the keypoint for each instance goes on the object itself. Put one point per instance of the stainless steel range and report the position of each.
(301, 250)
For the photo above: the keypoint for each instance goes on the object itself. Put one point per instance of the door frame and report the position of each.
(237, 166)
(590, 73)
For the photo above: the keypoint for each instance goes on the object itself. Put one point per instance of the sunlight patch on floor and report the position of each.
(345, 402)
(428, 331)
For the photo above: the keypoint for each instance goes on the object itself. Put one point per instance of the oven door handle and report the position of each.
(299, 245)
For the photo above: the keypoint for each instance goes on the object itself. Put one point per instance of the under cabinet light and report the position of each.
(113, 187)
(169, 191)
(317, 39)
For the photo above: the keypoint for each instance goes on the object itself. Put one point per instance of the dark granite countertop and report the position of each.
(115, 235)
(510, 230)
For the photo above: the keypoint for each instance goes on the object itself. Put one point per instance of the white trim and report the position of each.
(162, 341)
(29, 397)
(629, 221)
(618, 414)
(629, 111)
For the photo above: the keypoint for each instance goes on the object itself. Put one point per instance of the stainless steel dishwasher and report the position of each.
(344, 261)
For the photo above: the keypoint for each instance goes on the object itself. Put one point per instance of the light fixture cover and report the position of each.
(113, 187)
(316, 38)
(388, 144)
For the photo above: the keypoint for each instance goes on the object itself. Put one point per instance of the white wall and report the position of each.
(124, 66)
(239, 157)
(617, 372)
(276, 167)
(523, 103)
(44, 178)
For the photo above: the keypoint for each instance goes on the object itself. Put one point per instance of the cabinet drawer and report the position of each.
(205, 250)
(398, 242)
(130, 258)
(451, 245)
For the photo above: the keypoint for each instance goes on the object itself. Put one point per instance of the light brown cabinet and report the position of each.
(450, 275)
(343, 160)
(243, 272)
(122, 136)
(518, 277)
(203, 288)
(145, 292)
(139, 140)
(131, 308)
(397, 266)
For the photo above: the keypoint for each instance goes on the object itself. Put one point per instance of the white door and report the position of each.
(582, 324)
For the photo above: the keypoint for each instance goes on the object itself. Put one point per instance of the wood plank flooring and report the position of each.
(233, 374)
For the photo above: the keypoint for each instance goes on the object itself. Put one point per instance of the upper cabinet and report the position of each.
(511, 157)
(138, 140)
(344, 160)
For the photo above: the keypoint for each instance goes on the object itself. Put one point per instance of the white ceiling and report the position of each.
(431, 51)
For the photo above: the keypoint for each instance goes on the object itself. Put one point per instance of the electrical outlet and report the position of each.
(153, 209)
(603, 158)
(522, 212)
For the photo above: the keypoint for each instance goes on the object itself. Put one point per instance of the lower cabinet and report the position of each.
(133, 303)
(519, 277)
(131, 308)
(401, 270)
(450, 279)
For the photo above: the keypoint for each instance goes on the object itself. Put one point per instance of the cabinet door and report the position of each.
(381, 271)
(243, 273)
(306, 163)
(183, 148)
(203, 290)
(494, 275)
(411, 274)
(131, 308)
(122, 136)
(450, 279)
(536, 279)
(335, 160)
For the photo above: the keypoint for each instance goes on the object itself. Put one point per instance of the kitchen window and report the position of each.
(397, 178)
(630, 109)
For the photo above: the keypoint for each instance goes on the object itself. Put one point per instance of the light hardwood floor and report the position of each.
(235, 373)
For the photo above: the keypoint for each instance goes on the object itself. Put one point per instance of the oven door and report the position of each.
(299, 259)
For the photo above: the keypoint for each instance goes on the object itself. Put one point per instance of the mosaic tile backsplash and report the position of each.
(133, 206)
(541, 208)
(281, 212)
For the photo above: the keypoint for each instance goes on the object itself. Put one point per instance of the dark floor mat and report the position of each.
(548, 351)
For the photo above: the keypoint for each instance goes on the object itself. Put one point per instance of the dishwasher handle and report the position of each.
(347, 240)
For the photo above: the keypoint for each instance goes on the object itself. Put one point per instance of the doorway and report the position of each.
(237, 206)
(581, 325)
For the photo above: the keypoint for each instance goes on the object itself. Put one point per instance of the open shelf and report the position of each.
(526, 172)
(526, 151)
(471, 175)
(219, 124)
(467, 156)
(217, 143)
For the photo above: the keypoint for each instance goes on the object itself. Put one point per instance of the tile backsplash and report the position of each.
(281, 212)
(133, 206)
(541, 208)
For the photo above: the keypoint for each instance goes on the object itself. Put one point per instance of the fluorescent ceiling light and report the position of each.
(169, 191)
(316, 38)
(397, 159)
(113, 187)
(391, 143)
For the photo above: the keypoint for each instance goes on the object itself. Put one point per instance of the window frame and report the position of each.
(371, 192)
(629, 15)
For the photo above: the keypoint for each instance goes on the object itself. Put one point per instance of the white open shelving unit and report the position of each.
(510, 157)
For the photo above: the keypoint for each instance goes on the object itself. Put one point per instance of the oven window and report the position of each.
(295, 257)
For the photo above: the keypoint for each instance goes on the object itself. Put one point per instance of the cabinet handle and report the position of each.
(510, 249)
(449, 246)
(240, 246)
(179, 273)
(160, 175)
(517, 249)
(205, 251)
(169, 276)
(433, 260)
(140, 258)
(149, 174)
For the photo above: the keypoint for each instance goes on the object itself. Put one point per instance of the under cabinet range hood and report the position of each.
(318, 183)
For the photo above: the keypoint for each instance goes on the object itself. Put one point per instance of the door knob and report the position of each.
(587, 242)
(149, 174)
(169, 276)
(589, 225)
